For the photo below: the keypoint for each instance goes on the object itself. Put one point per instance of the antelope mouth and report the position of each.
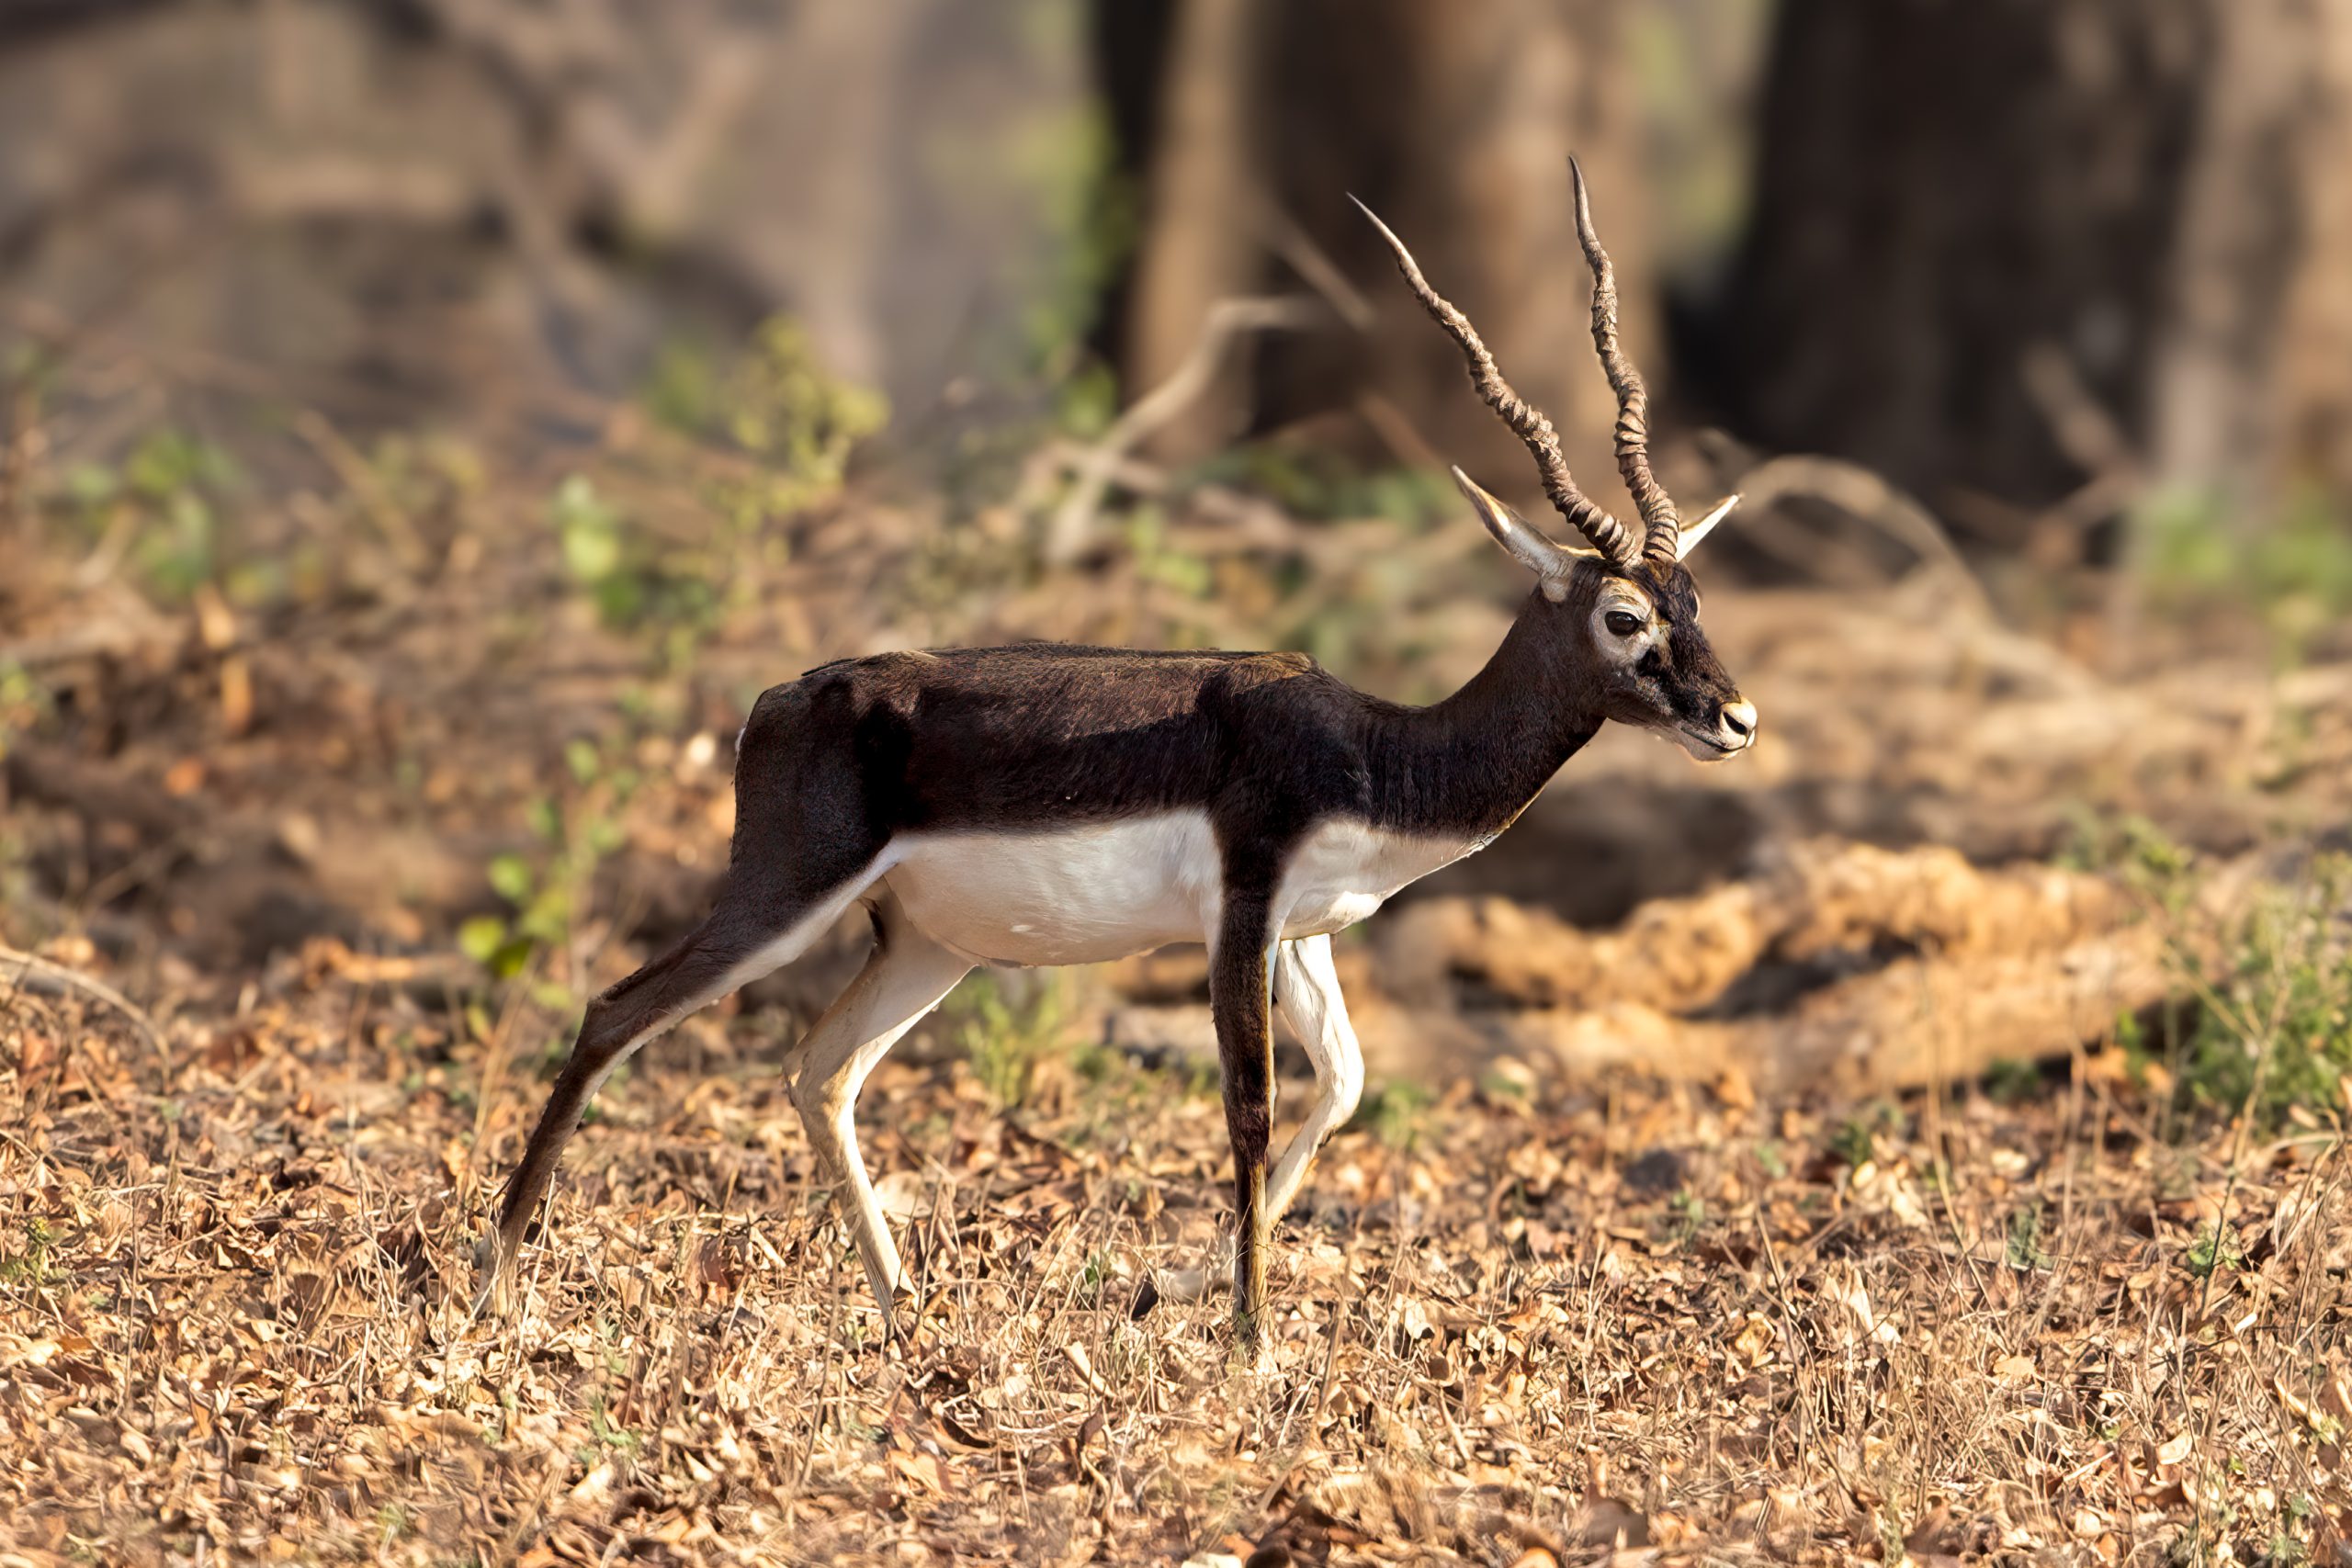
(1709, 747)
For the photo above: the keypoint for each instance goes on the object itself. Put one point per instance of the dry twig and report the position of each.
(1227, 319)
(29, 972)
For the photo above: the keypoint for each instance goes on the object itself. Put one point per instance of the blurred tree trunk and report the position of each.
(1454, 123)
(1194, 253)
(2148, 193)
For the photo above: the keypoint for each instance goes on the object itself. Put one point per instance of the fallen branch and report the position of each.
(1868, 499)
(1227, 319)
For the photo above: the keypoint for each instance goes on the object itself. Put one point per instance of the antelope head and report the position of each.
(1626, 605)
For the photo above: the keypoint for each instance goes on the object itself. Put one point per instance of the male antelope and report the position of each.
(1044, 804)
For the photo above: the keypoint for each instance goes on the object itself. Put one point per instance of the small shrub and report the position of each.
(1004, 1036)
(1397, 1112)
(2293, 572)
(632, 580)
(2024, 1248)
(2275, 1031)
(2264, 1026)
(165, 507)
(776, 403)
(548, 890)
(2214, 1249)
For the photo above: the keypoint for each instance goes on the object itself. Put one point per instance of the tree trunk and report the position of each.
(1454, 123)
(2149, 190)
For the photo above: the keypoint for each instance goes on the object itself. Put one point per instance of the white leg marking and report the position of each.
(904, 979)
(1307, 985)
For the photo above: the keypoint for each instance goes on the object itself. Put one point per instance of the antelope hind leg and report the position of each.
(741, 940)
(905, 978)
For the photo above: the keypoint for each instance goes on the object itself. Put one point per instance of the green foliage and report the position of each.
(24, 701)
(2012, 1082)
(1395, 1111)
(2267, 1027)
(624, 571)
(29, 1264)
(608, 1437)
(2277, 1023)
(775, 403)
(546, 892)
(2129, 846)
(1158, 561)
(2294, 571)
(1093, 214)
(2214, 1249)
(594, 542)
(2024, 1248)
(1058, 161)
(1684, 1217)
(167, 504)
(1004, 1033)
(1855, 1141)
(1120, 1085)
(1314, 483)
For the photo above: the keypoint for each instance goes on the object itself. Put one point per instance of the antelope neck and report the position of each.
(1472, 762)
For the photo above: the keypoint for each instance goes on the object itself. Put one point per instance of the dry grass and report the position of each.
(236, 1319)
(1555, 1311)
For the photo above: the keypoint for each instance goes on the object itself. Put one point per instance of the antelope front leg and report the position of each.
(904, 978)
(1307, 985)
(1245, 1048)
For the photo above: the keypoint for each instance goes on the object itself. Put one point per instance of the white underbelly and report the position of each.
(1102, 890)
(1072, 894)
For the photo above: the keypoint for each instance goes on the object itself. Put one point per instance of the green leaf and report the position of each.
(480, 938)
(591, 553)
(512, 955)
(511, 875)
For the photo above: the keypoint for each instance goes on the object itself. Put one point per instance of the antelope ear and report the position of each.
(1697, 531)
(1528, 545)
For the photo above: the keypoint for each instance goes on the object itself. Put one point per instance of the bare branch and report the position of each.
(1227, 319)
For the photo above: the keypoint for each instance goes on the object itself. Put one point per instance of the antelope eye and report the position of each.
(1622, 623)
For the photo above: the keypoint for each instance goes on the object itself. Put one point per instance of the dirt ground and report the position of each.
(1763, 1162)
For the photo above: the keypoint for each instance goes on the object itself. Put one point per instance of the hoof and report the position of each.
(1195, 1282)
(490, 1274)
(902, 1314)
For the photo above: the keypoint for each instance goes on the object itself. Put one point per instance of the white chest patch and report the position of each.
(1103, 890)
(1347, 870)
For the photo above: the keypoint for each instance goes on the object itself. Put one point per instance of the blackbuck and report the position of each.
(1045, 804)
